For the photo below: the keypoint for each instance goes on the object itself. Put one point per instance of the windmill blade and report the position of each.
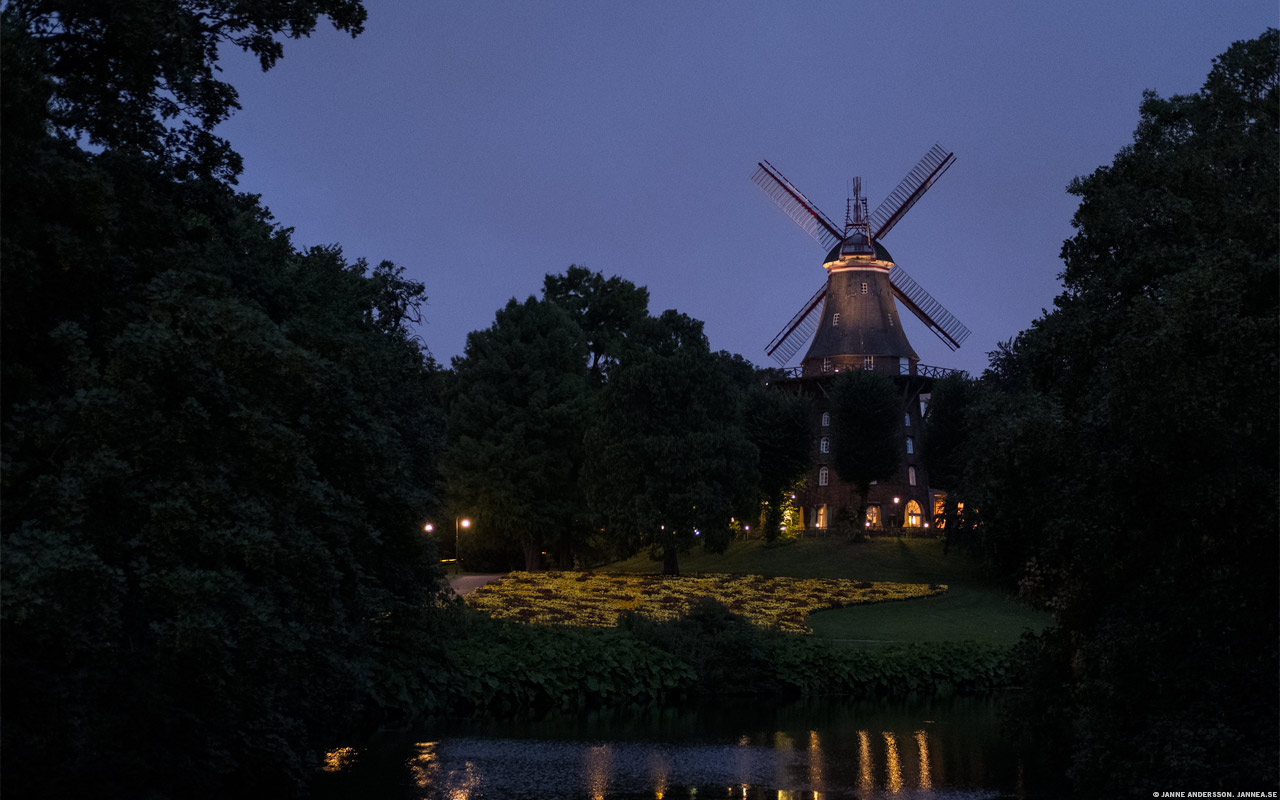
(798, 330)
(795, 205)
(935, 162)
(950, 330)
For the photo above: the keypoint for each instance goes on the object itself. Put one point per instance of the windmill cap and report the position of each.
(881, 253)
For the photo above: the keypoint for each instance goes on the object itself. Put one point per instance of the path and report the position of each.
(466, 584)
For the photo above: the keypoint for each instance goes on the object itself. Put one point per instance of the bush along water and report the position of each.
(499, 665)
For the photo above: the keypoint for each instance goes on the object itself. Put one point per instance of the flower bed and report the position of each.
(585, 598)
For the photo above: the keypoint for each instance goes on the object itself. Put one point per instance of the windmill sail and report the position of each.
(950, 330)
(935, 162)
(798, 330)
(795, 205)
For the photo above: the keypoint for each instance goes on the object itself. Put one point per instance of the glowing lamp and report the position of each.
(428, 527)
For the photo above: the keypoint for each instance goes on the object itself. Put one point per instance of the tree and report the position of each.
(140, 75)
(865, 418)
(218, 450)
(1123, 451)
(776, 424)
(606, 309)
(516, 424)
(667, 461)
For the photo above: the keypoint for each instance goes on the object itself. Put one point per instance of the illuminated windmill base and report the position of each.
(853, 324)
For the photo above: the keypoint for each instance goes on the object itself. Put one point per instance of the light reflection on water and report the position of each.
(839, 752)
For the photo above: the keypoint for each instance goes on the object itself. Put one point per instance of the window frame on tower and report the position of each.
(835, 320)
(911, 446)
(826, 419)
(869, 362)
(824, 476)
(911, 476)
(824, 444)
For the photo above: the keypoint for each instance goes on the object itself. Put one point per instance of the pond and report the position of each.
(946, 749)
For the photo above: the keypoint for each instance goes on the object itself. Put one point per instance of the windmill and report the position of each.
(853, 313)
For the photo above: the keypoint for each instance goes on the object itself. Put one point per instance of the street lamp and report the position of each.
(458, 524)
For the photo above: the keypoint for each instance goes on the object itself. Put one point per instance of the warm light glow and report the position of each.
(922, 741)
(895, 500)
(338, 759)
(598, 764)
(926, 524)
(892, 765)
(815, 765)
(866, 780)
(464, 784)
(466, 523)
(428, 527)
(424, 766)
(661, 770)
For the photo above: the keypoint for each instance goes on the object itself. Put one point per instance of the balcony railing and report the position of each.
(919, 370)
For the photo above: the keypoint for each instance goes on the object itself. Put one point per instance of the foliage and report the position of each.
(585, 598)
(141, 75)
(516, 422)
(776, 424)
(866, 415)
(496, 664)
(709, 650)
(1122, 451)
(218, 450)
(667, 460)
(605, 308)
(727, 653)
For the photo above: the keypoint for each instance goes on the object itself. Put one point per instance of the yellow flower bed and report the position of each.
(585, 598)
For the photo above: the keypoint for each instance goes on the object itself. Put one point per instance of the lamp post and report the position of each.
(458, 524)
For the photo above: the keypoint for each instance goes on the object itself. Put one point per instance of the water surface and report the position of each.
(945, 749)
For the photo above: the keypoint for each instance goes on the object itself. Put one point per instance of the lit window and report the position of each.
(913, 515)
(906, 419)
(864, 287)
(911, 475)
(824, 445)
(835, 320)
(826, 419)
(911, 445)
(822, 516)
(824, 476)
(868, 362)
(873, 516)
(826, 365)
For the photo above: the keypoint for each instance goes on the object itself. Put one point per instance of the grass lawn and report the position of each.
(972, 609)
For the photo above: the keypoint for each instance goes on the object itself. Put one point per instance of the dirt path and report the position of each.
(466, 584)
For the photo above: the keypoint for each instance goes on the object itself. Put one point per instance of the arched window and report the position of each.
(824, 444)
(824, 476)
(913, 517)
(826, 419)
(906, 419)
(911, 475)
(911, 445)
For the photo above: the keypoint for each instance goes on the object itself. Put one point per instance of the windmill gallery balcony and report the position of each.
(914, 370)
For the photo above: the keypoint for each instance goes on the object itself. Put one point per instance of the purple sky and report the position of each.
(482, 145)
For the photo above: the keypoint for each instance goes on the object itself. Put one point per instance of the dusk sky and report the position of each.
(482, 145)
